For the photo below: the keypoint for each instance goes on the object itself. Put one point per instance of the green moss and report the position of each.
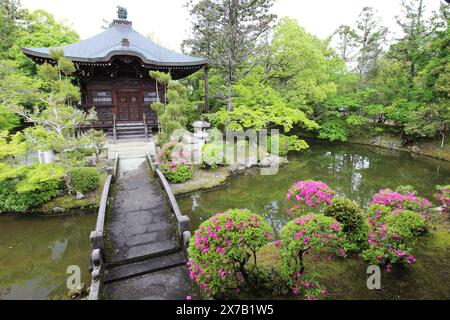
(69, 202)
(346, 278)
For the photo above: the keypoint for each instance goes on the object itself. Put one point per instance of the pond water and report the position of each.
(354, 171)
(36, 251)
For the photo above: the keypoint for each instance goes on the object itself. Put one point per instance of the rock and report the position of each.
(80, 196)
(59, 193)
(58, 210)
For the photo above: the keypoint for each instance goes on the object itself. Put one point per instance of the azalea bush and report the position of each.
(350, 216)
(313, 231)
(177, 172)
(443, 195)
(221, 249)
(392, 234)
(309, 194)
(401, 200)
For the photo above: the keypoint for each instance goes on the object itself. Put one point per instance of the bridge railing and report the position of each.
(183, 223)
(97, 237)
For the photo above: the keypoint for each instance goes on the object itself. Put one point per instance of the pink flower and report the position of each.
(307, 238)
(188, 298)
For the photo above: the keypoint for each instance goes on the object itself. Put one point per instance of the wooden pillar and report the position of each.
(206, 89)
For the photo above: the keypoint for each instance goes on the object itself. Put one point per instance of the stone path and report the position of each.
(147, 261)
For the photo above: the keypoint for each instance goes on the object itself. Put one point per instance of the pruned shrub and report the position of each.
(308, 194)
(313, 231)
(84, 179)
(347, 213)
(221, 249)
(177, 172)
(392, 235)
(212, 156)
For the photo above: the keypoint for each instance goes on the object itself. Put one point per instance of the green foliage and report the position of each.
(346, 212)
(212, 155)
(177, 172)
(12, 145)
(285, 144)
(350, 216)
(259, 106)
(221, 248)
(26, 187)
(84, 179)
(172, 116)
(313, 231)
(334, 130)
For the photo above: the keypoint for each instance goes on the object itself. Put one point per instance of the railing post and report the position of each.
(145, 127)
(114, 128)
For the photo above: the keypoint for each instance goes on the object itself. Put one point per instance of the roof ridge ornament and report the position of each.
(125, 42)
(122, 13)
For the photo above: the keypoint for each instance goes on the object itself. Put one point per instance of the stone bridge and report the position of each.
(139, 245)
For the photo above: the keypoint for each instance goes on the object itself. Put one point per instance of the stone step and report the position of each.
(140, 268)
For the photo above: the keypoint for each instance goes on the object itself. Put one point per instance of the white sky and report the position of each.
(168, 20)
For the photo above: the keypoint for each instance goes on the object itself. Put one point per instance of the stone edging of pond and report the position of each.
(381, 143)
(206, 180)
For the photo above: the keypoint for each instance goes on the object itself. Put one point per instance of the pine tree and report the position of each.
(370, 38)
(228, 32)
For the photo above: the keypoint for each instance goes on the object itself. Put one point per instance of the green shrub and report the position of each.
(347, 213)
(221, 248)
(350, 216)
(84, 179)
(212, 156)
(177, 172)
(286, 144)
(26, 187)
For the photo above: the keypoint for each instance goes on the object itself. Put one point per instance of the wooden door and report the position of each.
(129, 106)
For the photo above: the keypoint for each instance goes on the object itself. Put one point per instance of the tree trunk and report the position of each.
(443, 140)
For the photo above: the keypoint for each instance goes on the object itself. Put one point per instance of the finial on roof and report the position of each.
(122, 13)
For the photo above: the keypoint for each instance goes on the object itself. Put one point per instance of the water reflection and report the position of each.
(36, 251)
(356, 172)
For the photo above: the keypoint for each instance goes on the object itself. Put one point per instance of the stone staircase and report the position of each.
(127, 149)
(129, 131)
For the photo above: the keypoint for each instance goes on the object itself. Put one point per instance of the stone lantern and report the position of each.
(200, 135)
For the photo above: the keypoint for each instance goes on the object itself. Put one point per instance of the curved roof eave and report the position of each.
(102, 47)
(31, 52)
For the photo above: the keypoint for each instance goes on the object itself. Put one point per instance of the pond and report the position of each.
(357, 172)
(354, 171)
(36, 251)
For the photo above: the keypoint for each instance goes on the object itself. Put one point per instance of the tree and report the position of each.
(303, 68)
(14, 89)
(173, 114)
(259, 106)
(228, 32)
(370, 39)
(347, 41)
(428, 121)
(410, 47)
(12, 22)
(57, 120)
(42, 30)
